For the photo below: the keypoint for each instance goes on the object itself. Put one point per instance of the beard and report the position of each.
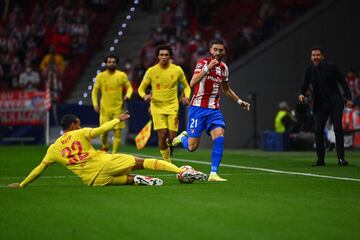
(316, 61)
(111, 68)
(219, 57)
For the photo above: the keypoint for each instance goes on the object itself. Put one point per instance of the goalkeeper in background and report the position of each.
(98, 168)
(164, 79)
(111, 83)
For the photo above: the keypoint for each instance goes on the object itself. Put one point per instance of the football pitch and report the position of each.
(268, 196)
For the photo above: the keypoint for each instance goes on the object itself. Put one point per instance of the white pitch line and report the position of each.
(260, 169)
(225, 165)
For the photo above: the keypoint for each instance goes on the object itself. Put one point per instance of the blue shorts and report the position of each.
(203, 118)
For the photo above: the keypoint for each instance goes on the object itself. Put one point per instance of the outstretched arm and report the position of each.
(231, 94)
(108, 125)
(35, 173)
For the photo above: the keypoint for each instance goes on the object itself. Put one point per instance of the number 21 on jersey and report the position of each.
(193, 123)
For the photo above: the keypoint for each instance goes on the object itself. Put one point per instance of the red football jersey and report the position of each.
(207, 91)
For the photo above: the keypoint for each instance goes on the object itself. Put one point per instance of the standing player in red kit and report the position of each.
(204, 112)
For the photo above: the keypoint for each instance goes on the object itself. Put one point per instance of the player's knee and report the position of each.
(139, 163)
(117, 133)
(192, 147)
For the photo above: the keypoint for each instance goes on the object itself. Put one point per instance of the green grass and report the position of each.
(253, 204)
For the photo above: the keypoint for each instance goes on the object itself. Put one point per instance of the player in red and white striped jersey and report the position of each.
(207, 91)
(204, 114)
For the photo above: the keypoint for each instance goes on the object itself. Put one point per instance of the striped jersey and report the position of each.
(207, 91)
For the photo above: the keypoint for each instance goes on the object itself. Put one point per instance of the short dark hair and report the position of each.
(164, 47)
(318, 48)
(67, 120)
(111, 55)
(217, 41)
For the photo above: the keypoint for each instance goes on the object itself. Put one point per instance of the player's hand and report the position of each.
(147, 97)
(301, 98)
(245, 105)
(124, 116)
(14, 185)
(349, 104)
(185, 100)
(213, 63)
(97, 109)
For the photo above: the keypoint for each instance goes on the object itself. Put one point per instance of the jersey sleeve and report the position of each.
(95, 91)
(36, 172)
(226, 73)
(199, 66)
(94, 132)
(128, 87)
(144, 83)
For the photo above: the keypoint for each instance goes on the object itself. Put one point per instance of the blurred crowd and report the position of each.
(189, 26)
(37, 38)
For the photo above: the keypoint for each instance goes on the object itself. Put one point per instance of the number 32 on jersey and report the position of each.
(74, 153)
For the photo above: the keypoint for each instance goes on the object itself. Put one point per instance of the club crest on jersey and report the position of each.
(199, 65)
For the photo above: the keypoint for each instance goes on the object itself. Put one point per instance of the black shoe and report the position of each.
(318, 163)
(343, 162)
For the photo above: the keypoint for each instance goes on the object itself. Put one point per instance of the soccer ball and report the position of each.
(181, 176)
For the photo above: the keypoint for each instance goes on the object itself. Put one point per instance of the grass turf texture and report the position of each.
(253, 204)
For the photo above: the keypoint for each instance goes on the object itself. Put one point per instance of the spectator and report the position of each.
(353, 82)
(79, 31)
(29, 80)
(52, 60)
(52, 67)
(148, 52)
(284, 121)
(129, 69)
(61, 40)
(15, 70)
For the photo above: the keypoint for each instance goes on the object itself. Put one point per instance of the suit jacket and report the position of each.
(326, 79)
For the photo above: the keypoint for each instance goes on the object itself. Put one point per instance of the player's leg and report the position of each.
(163, 135)
(336, 118)
(155, 164)
(103, 138)
(190, 140)
(129, 179)
(216, 128)
(217, 135)
(159, 165)
(117, 140)
(117, 132)
(320, 118)
(161, 128)
(117, 172)
(173, 123)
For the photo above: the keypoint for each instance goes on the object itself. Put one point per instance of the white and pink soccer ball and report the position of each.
(180, 176)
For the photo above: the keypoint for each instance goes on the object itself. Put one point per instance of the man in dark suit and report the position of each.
(326, 79)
